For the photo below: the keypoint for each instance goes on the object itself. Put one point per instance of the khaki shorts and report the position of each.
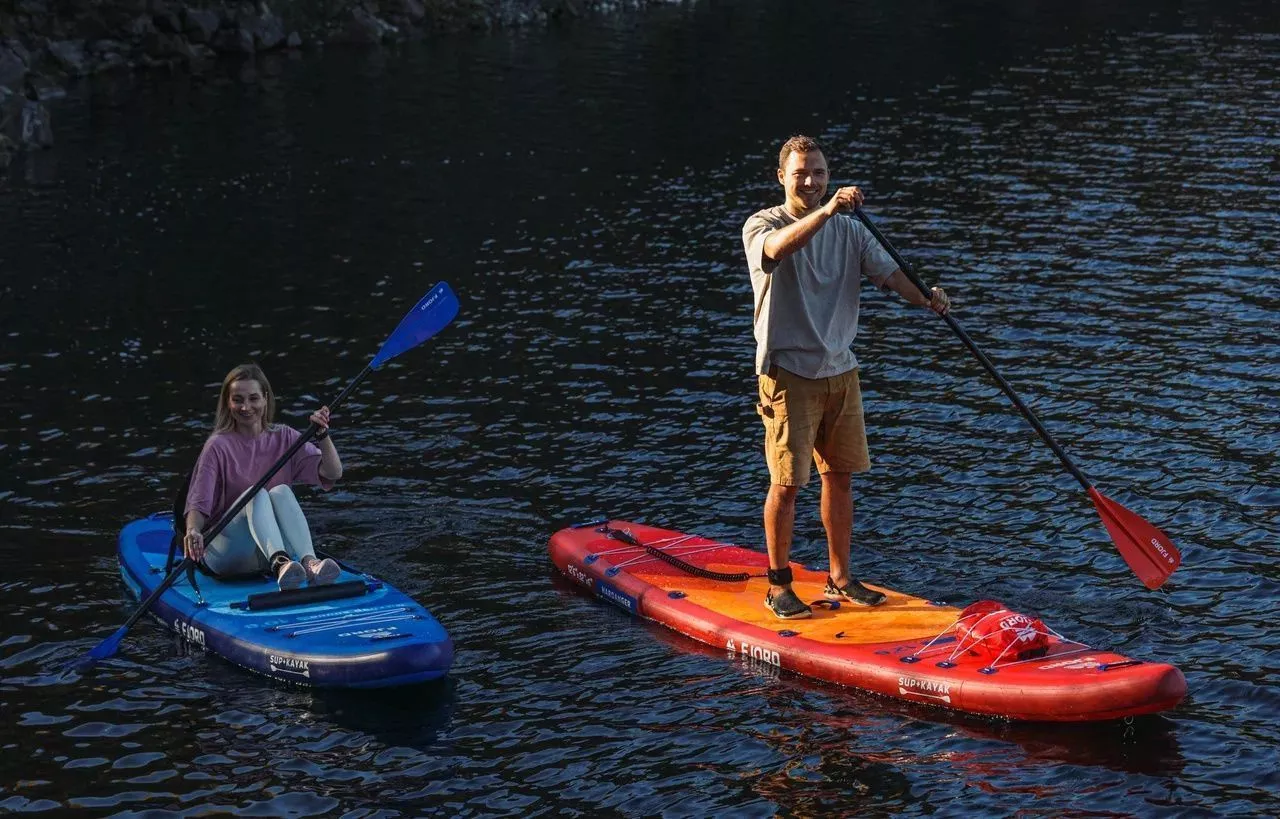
(811, 421)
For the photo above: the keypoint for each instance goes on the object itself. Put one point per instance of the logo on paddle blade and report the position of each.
(1159, 547)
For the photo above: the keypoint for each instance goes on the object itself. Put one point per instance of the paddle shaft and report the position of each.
(210, 532)
(977, 353)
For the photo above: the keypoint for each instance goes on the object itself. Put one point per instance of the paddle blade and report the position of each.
(1146, 549)
(102, 650)
(431, 315)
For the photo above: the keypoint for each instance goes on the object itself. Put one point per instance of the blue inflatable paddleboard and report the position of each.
(359, 632)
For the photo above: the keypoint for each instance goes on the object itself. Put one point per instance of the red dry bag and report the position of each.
(990, 631)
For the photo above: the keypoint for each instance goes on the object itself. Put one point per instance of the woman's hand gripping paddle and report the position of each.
(429, 316)
(1147, 550)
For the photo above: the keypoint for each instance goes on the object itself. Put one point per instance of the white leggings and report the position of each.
(272, 521)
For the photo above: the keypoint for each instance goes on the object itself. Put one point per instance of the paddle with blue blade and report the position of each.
(1147, 550)
(429, 316)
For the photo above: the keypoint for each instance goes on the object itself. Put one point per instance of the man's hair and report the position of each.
(798, 144)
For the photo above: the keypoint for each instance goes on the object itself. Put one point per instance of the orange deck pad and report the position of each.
(900, 617)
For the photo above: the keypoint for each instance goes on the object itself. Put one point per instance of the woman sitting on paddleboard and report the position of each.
(270, 532)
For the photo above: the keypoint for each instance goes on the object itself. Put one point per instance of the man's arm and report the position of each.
(784, 241)
(938, 301)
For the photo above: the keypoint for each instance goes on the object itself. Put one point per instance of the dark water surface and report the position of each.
(1095, 183)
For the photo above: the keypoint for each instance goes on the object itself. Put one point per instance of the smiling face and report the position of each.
(804, 178)
(247, 402)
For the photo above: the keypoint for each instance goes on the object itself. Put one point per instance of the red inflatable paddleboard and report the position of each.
(984, 659)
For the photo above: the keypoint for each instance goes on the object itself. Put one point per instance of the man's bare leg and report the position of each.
(779, 524)
(837, 519)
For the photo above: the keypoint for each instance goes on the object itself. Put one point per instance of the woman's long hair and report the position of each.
(222, 420)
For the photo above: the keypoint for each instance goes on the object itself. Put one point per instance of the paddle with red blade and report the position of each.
(1147, 550)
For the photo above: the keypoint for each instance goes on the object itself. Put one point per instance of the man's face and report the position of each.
(804, 178)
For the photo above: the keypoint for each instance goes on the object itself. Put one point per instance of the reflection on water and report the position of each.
(1095, 184)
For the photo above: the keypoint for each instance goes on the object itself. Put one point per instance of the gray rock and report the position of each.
(91, 27)
(140, 27)
(414, 10)
(167, 20)
(266, 28)
(231, 40)
(164, 46)
(37, 126)
(224, 40)
(13, 69)
(46, 89)
(107, 47)
(201, 25)
(365, 29)
(69, 54)
(294, 40)
(19, 49)
(110, 61)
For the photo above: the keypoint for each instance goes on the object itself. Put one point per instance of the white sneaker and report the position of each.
(291, 575)
(321, 572)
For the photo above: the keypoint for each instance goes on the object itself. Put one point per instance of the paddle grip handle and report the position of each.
(990, 367)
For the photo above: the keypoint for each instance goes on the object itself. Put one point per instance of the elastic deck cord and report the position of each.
(625, 536)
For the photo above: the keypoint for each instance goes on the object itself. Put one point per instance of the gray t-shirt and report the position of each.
(806, 306)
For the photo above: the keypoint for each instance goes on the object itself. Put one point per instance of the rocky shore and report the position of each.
(44, 44)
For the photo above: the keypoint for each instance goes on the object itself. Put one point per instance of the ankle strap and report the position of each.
(780, 577)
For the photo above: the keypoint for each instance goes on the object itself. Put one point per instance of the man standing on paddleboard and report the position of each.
(807, 261)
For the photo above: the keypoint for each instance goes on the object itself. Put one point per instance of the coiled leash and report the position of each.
(625, 536)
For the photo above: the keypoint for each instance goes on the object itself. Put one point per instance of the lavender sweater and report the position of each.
(230, 463)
